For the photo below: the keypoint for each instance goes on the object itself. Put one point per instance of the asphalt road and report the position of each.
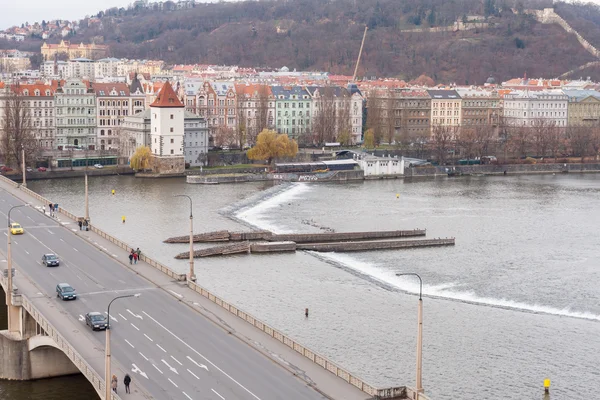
(172, 351)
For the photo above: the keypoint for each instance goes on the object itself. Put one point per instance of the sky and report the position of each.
(17, 12)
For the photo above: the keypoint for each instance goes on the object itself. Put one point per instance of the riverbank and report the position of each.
(68, 173)
(502, 169)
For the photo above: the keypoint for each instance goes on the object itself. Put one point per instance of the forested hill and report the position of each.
(505, 42)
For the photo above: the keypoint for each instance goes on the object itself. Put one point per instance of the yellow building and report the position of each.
(446, 112)
(91, 51)
(583, 108)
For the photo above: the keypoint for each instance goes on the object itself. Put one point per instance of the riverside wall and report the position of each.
(67, 173)
(498, 169)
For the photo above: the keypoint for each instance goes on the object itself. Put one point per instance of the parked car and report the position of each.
(50, 260)
(28, 169)
(41, 169)
(4, 168)
(64, 291)
(99, 166)
(96, 321)
(16, 228)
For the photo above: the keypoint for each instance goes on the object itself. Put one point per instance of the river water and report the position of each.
(514, 302)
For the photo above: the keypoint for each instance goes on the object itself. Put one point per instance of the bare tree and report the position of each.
(243, 120)
(324, 118)
(540, 135)
(375, 114)
(344, 122)
(225, 136)
(17, 132)
(556, 140)
(389, 119)
(442, 139)
(466, 141)
(519, 140)
(262, 113)
(580, 140)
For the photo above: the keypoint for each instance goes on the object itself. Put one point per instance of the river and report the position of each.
(514, 302)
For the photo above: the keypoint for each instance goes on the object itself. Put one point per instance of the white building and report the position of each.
(75, 104)
(532, 108)
(55, 69)
(108, 68)
(196, 139)
(374, 166)
(80, 68)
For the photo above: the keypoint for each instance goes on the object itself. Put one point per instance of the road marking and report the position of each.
(174, 384)
(5, 234)
(206, 359)
(187, 395)
(195, 376)
(121, 315)
(148, 337)
(157, 368)
(132, 346)
(139, 371)
(145, 358)
(118, 291)
(160, 347)
(50, 232)
(176, 294)
(111, 317)
(198, 365)
(176, 360)
(81, 318)
(75, 249)
(114, 255)
(135, 326)
(171, 368)
(15, 242)
(217, 394)
(61, 239)
(26, 252)
(135, 315)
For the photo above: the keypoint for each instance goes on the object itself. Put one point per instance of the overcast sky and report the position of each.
(17, 12)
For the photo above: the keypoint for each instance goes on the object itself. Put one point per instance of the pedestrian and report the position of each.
(131, 257)
(80, 224)
(114, 383)
(127, 381)
(135, 257)
(139, 253)
(51, 209)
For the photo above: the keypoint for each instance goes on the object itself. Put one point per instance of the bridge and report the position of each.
(176, 340)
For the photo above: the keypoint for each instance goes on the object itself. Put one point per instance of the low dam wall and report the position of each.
(499, 169)
(330, 176)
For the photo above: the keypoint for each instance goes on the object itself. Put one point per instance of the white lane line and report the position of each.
(171, 368)
(75, 249)
(148, 337)
(215, 392)
(50, 232)
(111, 317)
(206, 359)
(174, 384)
(26, 252)
(187, 395)
(176, 360)
(157, 368)
(61, 239)
(132, 346)
(121, 315)
(193, 374)
(135, 315)
(145, 358)
(81, 318)
(135, 326)
(176, 294)
(15, 242)
(5, 234)
(158, 345)
(198, 365)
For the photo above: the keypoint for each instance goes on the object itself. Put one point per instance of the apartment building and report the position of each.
(293, 108)
(529, 108)
(445, 110)
(411, 113)
(480, 107)
(583, 108)
(75, 103)
(92, 51)
(255, 108)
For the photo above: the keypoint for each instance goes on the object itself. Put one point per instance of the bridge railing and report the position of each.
(92, 376)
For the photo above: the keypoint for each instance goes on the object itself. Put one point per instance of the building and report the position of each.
(293, 108)
(337, 115)
(481, 109)
(80, 68)
(412, 114)
(40, 100)
(55, 69)
(216, 101)
(583, 107)
(113, 104)
(12, 61)
(374, 166)
(530, 109)
(75, 104)
(92, 51)
(108, 68)
(255, 109)
(445, 111)
(167, 132)
(195, 143)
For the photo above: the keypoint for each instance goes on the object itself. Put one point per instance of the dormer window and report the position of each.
(47, 93)
(25, 92)
(37, 92)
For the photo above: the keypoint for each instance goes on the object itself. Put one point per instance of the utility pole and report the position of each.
(24, 184)
(192, 274)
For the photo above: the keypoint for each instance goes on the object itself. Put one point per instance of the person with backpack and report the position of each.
(127, 381)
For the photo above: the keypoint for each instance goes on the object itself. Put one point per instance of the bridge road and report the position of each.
(184, 355)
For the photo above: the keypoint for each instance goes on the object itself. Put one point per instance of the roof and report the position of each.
(167, 97)
(111, 89)
(321, 90)
(444, 94)
(249, 90)
(578, 95)
(287, 91)
(221, 88)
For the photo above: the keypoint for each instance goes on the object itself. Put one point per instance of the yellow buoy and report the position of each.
(123, 219)
(113, 192)
(397, 195)
(546, 385)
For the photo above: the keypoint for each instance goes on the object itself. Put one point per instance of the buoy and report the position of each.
(547, 386)
(397, 195)
(113, 192)
(123, 219)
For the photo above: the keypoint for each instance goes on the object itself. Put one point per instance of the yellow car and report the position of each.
(16, 229)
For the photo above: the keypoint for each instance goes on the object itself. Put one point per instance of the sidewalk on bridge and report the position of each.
(320, 379)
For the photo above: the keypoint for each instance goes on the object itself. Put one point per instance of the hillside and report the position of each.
(326, 35)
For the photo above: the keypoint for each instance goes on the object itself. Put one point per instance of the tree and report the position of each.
(519, 140)
(243, 121)
(17, 132)
(580, 140)
(324, 118)
(442, 137)
(375, 120)
(369, 142)
(140, 160)
(225, 136)
(270, 145)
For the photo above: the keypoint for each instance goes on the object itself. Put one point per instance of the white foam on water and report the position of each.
(443, 291)
(258, 215)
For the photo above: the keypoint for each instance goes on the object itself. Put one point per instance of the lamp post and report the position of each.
(87, 201)
(419, 387)
(9, 265)
(107, 382)
(23, 166)
(192, 275)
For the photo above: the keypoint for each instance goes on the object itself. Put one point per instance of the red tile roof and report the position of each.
(167, 98)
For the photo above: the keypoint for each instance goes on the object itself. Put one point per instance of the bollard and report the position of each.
(547, 386)
(306, 312)
(123, 219)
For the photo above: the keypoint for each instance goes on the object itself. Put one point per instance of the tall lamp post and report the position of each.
(419, 387)
(107, 354)
(9, 264)
(87, 202)
(23, 166)
(192, 275)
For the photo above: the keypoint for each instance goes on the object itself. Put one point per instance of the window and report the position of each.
(172, 140)
(172, 152)
(171, 129)
(171, 116)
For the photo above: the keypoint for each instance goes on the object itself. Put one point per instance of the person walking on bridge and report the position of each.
(131, 257)
(127, 381)
(114, 382)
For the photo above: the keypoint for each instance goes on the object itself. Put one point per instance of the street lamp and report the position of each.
(9, 293)
(24, 184)
(192, 275)
(107, 354)
(419, 387)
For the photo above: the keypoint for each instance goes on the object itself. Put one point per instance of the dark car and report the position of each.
(50, 260)
(64, 291)
(95, 320)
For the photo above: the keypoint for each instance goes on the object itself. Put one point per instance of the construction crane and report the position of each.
(359, 54)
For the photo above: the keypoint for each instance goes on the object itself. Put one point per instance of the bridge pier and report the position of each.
(26, 352)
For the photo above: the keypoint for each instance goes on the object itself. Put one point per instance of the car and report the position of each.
(4, 168)
(96, 321)
(99, 166)
(41, 169)
(50, 260)
(64, 291)
(16, 228)
(28, 169)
